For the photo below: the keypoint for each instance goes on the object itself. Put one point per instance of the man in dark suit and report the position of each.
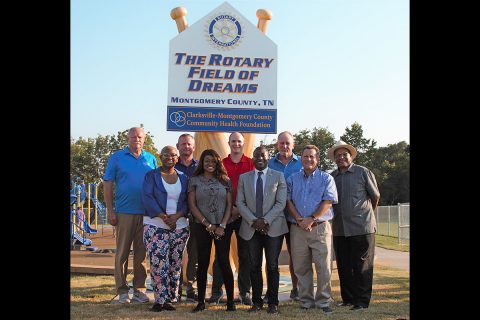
(261, 199)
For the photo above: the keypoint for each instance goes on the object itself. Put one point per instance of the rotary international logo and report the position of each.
(224, 31)
(178, 118)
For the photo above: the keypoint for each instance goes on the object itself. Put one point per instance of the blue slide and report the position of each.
(74, 235)
(84, 241)
(73, 199)
(89, 229)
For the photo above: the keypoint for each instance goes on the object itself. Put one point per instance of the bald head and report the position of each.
(236, 142)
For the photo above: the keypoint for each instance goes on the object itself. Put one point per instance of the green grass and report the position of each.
(382, 227)
(390, 243)
(91, 295)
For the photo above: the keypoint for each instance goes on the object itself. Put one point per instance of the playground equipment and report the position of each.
(81, 222)
(77, 230)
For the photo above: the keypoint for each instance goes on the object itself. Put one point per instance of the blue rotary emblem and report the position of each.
(179, 118)
(225, 30)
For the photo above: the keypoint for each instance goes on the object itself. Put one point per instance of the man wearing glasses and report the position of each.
(354, 226)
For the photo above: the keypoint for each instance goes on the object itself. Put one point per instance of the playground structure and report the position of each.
(85, 197)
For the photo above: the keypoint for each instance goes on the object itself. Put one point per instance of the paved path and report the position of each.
(392, 258)
(102, 263)
(82, 261)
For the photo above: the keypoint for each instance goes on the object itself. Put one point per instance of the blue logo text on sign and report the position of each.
(225, 30)
(228, 120)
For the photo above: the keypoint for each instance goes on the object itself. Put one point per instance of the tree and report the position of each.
(320, 137)
(88, 158)
(365, 147)
(271, 147)
(391, 166)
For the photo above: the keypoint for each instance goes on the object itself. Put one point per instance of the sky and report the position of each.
(339, 62)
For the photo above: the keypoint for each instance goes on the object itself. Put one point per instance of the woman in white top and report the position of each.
(166, 228)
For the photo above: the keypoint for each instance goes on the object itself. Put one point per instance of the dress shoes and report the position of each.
(200, 307)
(272, 309)
(231, 306)
(245, 299)
(167, 306)
(327, 310)
(357, 308)
(157, 307)
(254, 308)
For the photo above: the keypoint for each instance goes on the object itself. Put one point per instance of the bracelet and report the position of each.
(203, 220)
(209, 226)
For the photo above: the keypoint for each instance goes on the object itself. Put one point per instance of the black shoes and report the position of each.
(200, 307)
(191, 296)
(344, 304)
(294, 294)
(272, 309)
(254, 308)
(245, 299)
(157, 307)
(357, 308)
(327, 310)
(167, 306)
(215, 299)
(231, 306)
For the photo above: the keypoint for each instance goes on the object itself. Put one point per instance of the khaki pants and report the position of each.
(129, 229)
(307, 247)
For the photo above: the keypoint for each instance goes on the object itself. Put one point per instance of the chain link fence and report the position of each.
(394, 221)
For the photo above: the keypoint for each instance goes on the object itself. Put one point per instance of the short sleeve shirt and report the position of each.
(128, 173)
(353, 214)
(210, 197)
(234, 170)
(308, 192)
(294, 165)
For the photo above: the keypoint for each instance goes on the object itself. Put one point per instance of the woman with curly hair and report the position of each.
(210, 201)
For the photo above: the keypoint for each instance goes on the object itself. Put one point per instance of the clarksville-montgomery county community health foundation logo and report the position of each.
(224, 31)
(179, 118)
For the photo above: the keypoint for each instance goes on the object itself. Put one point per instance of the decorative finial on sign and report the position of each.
(263, 15)
(178, 14)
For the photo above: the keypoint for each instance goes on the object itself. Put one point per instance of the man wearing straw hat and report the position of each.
(354, 226)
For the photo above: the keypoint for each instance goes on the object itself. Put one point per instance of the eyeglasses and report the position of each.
(169, 155)
(340, 155)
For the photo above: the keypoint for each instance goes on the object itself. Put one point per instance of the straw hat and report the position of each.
(341, 144)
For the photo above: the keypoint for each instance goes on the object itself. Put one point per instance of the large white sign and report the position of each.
(222, 76)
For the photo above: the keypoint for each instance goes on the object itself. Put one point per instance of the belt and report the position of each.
(314, 224)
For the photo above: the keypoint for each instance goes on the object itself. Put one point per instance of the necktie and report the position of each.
(259, 196)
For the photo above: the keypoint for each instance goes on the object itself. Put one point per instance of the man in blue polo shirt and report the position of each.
(126, 169)
(287, 162)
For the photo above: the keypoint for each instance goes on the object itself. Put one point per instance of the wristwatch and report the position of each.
(221, 225)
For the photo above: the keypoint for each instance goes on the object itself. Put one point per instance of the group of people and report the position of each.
(186, 204)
